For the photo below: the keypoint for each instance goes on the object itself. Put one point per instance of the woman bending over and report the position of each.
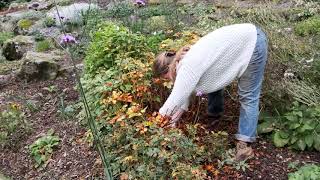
(232, 52)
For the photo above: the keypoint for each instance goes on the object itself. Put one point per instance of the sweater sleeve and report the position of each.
(185, 105)
(185, 83)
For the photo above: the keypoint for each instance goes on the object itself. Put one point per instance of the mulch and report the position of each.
(74, 158)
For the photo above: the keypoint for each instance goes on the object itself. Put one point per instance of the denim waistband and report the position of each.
(260, 33)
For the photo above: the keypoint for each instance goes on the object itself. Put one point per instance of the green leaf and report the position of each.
(278, 141)
(316, 140)
(305, 127)
(291, 117)
(309, 140)
(265, 127)
(301, 144)
(294, 126)
(293, 139)
(284, 135)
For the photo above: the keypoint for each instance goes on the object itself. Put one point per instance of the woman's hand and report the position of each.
(176, 117)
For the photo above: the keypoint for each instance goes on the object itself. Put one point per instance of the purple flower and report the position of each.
(67, 39)
(140, 2)
(199, 93)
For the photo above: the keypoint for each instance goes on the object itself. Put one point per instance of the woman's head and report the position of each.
(166, 62)
(163, 66)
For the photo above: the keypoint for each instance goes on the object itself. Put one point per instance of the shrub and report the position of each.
(298, 128)
(111, 43)
(44, 45)
(24, 23)
(310, 26)
(309, 171)
(42, 149)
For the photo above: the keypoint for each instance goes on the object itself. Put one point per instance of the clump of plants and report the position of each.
(49, 22)
(299, 128)
(113, 43)
(41, 150)
(13, 125)
(24, 24)
(5, 36)
(44, 45)
(121, 9)
(124, 101)
(311, 26)
(309, 171)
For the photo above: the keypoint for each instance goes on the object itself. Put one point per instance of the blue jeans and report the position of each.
(249, 87)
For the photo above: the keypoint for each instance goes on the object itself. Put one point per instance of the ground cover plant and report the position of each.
(116, 45)
(309, 171)
(42, 149)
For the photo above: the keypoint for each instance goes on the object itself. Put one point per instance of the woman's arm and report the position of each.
(184, 85)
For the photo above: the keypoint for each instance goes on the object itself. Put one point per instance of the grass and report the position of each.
(45, 45)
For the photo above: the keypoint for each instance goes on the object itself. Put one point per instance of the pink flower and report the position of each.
(67, 39)
(140, 2)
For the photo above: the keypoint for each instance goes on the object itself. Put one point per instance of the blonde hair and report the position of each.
(164, 63)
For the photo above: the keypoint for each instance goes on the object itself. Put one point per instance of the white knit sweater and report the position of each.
(211, 64)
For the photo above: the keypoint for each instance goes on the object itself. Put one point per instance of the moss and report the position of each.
(44, 45)
(310, 26)
(25, 23)
(5, 36)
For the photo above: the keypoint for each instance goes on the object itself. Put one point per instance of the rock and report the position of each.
(72, 13)
(39, 66)
(70, 70)
(39, 6)
(15, 48)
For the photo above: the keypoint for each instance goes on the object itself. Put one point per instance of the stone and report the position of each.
(39, 6)
(70, 69)
(15, 48)
(39, 66)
